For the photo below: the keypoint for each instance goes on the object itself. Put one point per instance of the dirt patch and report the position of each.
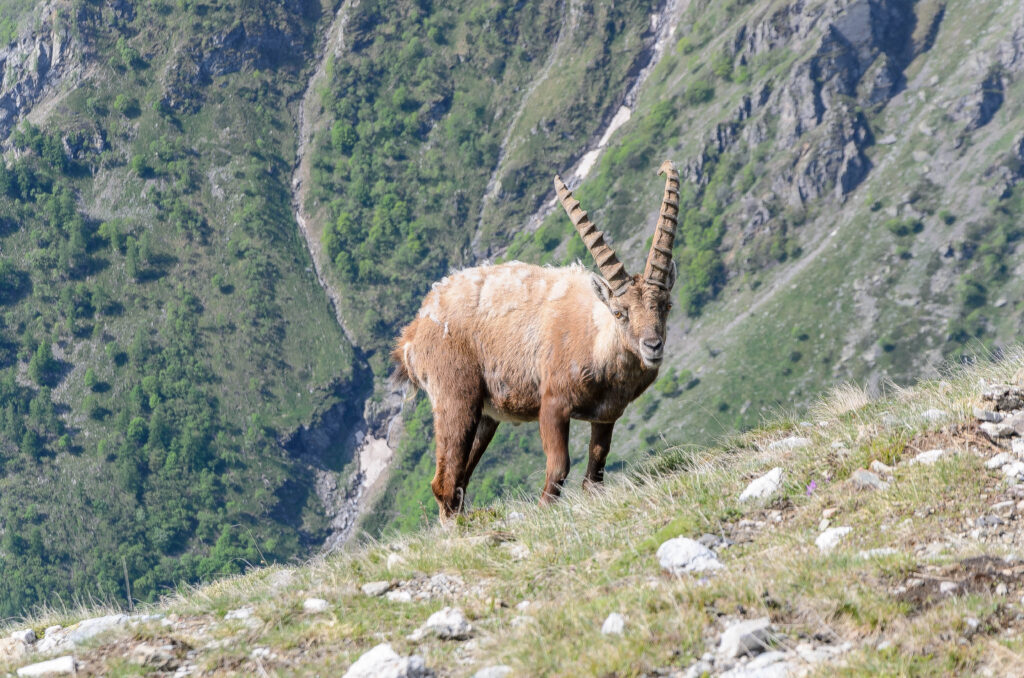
(980, 574)
(160, 656)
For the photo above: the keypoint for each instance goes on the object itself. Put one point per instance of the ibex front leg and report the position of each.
(600, 442)
(554, 436)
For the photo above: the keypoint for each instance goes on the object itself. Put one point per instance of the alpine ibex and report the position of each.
(517, 342)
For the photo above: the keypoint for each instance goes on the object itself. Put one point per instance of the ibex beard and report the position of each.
(516, 342)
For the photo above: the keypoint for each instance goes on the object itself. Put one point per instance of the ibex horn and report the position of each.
(609, 265)
(659, 260)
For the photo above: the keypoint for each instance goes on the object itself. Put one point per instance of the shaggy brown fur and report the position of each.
(517, 342)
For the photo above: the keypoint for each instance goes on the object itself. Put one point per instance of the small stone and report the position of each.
(887, 140)
(1001, 589)
(880, 468)
(1015, 469)
(989, 521)
(523, 605)
(448, 623)
(514, 516)
(395, 561)
(867, 480)
(987, 415)
(823, 525)
(699, 670)
(789, 443)
(996, 431)
(948, 587)
(383, 662)
(499, 671)
(315, 605)
(743, 638)
(399, 596)
(155, 656)
(25, 635)
(1016, 422)
(1017, 447)
(829, 512)
(58, 666)
(376, 588)
(613, 624)
(831, 537)
(928, 458)
(12, 649)
(763, 487)
(998, 461)
(681, 554)
(240, 613)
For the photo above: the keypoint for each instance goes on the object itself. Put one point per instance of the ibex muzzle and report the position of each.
(517, 342)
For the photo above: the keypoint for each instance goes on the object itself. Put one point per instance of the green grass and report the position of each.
(589, 555)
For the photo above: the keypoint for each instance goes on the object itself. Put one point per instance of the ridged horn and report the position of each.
(604, 256)
(659, 260)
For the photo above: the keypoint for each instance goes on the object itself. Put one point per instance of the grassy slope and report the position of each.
(223, 327)
(592, 555)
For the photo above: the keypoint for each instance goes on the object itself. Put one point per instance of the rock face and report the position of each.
(383, 662)
(37, 62)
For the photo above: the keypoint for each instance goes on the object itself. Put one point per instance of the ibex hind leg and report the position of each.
(455, 425)
(484, 433)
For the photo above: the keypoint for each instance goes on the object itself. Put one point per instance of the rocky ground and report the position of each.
(879, 537)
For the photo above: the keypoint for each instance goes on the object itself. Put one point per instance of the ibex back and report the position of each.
(517, 342)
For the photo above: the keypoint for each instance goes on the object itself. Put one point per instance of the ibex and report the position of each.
(517, 342)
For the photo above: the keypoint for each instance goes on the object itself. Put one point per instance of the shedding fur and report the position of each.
(517, 342)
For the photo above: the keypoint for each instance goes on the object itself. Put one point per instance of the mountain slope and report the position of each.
(911, 569)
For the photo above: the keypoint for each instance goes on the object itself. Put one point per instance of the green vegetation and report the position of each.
(537, 582)
(158, 330)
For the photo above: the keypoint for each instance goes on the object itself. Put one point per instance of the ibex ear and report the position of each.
(601, 287)
(671, 276)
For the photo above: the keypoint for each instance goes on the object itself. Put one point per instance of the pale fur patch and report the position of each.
(606, 339)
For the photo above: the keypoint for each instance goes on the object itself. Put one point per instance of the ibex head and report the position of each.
(639, 304)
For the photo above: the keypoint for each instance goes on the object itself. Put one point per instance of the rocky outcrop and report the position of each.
(35, 64)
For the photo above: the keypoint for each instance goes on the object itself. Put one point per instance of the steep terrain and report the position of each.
(879, 537)
(214, 217)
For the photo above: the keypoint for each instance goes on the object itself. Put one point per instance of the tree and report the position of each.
(42, 367)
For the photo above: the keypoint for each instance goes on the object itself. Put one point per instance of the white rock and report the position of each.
(383, 662)
(448, 623)
(771, 664)
(880, 468)
(831, 537)
(748, 637)
(523, 605)
(680, 555)
(934, 414)
(25, 635)
(376, 588)
(1015, 469)
(399, 596)
(499, 671)
(947, 587)
(699, 670)
(929, 457)
(67, 638)
(315, 605)
(996, 430)
(58, 666)
(395, 561)
(998, 461)
(240, 613)
(763, 487)
(790, 443)
(514, 516)
(12, 650)
(1017, 447)
(613, 625)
